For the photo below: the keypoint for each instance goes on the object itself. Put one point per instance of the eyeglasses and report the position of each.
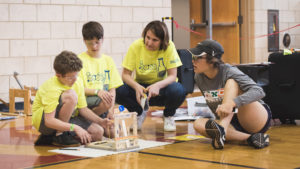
(71, 78)
(200, 56)
(91, 43)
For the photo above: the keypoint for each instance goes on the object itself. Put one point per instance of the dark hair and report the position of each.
(160, 30)
(92, 30)
(67, 62)
(213, 60)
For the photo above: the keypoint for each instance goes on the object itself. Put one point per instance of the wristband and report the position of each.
(96, 92)
(72, 127)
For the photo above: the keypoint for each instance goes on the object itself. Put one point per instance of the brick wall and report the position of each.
(32, 32)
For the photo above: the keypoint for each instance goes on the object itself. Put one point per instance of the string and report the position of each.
(178, 26)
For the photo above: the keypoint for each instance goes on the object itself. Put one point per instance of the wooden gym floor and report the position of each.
(17, 150)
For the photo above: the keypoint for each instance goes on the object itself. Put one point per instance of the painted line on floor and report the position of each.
(194, 159)
(61, 162)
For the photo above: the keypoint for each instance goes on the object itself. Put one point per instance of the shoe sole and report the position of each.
(213, 131)
(43, 140)
(261, 142)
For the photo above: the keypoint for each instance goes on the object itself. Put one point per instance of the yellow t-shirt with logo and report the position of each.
(150, 66)
(47, 98)
(99, 71)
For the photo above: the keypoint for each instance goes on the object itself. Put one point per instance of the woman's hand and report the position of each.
(225, 109)
(153, 90)
(139, 92)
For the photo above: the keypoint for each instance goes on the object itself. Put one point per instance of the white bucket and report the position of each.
(191, 104)
(194, 110)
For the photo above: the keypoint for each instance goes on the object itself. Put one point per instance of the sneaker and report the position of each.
(44, 140)
(65, 139)
(216, 132)
(258, 140)
(140, 120)
(169, 124)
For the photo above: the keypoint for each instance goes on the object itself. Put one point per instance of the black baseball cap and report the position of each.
(208, 46)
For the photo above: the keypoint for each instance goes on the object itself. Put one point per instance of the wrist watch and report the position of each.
(96, 92)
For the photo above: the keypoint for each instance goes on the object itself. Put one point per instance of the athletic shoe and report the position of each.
(140, 120)
(66, 140)
(44, 140)
(216, 132)
(169, 124)
(258, 140)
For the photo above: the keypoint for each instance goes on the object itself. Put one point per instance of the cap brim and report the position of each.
(199, 55)
(195, 51)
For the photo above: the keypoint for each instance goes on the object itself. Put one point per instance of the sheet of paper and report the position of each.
(90, 152)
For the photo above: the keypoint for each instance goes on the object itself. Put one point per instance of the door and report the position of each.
(225, 26)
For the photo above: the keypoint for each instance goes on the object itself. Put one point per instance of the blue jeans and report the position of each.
(172, 96)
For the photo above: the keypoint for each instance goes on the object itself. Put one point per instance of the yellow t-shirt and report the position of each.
(99, 71)
(47, 97)
(150, 66)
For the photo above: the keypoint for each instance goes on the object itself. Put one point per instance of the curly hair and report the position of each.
(213, 60)
(67, 62)
(160, 30)
(91, 30)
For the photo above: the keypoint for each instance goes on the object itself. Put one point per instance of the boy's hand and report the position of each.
(105, 123)
(83, 135)
(105, 96)
(110, 115)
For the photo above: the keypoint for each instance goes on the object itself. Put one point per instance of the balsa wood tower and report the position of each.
(125, 133)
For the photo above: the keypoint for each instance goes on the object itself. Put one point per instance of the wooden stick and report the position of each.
(108, 132)
(9, 114)
(6, 104)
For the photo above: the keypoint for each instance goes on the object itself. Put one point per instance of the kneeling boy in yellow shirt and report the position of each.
(60, 110)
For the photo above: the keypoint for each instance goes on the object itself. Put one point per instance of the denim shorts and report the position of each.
(236, 124)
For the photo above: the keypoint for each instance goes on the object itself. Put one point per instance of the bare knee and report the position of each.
(106, 106)
(96, 132)
(199, 126)
(102, 107)
(69, 97)
(253, 117)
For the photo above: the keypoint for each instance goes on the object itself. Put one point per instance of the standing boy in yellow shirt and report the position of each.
(60, 111)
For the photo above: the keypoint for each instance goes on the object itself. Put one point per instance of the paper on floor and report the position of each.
(90, 152)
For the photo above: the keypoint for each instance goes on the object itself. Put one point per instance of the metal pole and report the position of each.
(172, 27)
(209, 19)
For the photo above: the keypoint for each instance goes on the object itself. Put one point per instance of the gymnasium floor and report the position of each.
(17, 150)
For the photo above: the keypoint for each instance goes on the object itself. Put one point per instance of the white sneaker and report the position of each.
(140, 120)
(169, 124)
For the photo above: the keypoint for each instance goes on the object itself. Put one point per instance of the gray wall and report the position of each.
(181, 13)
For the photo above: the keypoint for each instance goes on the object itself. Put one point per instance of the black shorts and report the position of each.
(236, 124)
(78, 120)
